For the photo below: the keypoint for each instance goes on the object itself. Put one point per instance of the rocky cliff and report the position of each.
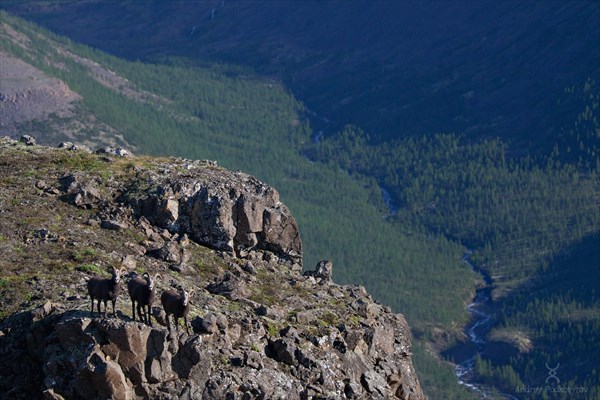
(260, 327)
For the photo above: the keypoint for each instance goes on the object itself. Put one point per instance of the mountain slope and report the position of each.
(392, 68)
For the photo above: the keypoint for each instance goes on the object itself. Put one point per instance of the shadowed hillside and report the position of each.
(393, 68)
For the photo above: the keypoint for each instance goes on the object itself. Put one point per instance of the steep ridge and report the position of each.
(260, 328)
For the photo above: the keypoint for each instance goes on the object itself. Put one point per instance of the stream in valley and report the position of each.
(481, 311)
(481, 323)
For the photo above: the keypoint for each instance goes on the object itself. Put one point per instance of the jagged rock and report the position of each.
(28, 140)
(171, 252)
(352, 390)
(226, 211)
(102, 378)
(126, 343)
(306, 317)
(229, 286)
(72, 146)
(114, 151)
(210, 323)
(275, 313)
(113, 225)
(115, 358)
(366, 309)
(323, 272)
(159, 314)
(253, 360)
(41, 311)
(375, 384)
(72, 332)
(284, 350)
(42, 185)
(129, 262)
(149, 230)
(80, 191)
(249, 267)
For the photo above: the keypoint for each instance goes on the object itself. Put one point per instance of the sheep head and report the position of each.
(186, 296)
(117, 273)
(151, 279)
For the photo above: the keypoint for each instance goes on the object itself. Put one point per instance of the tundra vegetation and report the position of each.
(531, 222)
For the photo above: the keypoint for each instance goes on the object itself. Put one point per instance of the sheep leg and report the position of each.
(133, 309)
(114, 309)
(98, 304)
(92, 305)
(176, 324)
(149, 315)
(141, 312)
(168, 323)
(187, 329)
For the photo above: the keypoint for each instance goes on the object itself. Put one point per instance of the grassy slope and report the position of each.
(255, 126)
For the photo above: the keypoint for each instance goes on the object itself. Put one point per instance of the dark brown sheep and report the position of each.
(178, 305)
(143, 291)
(103, 289)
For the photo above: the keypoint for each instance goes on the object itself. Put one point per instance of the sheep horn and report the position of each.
(190, 292)
(146, 274)
(157, 275)
(110, 269)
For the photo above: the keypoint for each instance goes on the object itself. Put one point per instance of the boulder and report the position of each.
(283, 350)
(323, 272)
(73, 146)
(27, 140)
(228, 285)
(102, 378)
(113, 225)
(114, 151)
(80, 191)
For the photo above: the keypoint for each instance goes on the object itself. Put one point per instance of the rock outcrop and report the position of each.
(72, 354)
(229, 211)
(260, 328)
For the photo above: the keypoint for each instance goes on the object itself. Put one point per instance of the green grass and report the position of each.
(90, 268)
(87, 254)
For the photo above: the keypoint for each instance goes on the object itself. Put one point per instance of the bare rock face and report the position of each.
(71, 355)
(27, 93)
(223, 210)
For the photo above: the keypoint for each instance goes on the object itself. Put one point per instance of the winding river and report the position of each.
(481, 323)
